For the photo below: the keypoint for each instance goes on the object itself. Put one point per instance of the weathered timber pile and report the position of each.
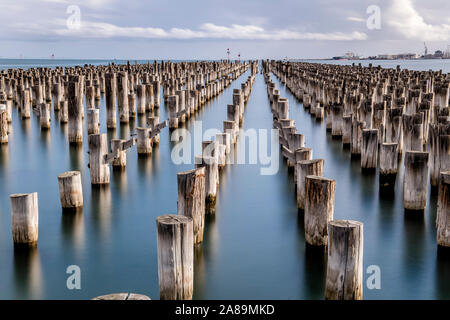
(382, 116)
(130, 91)
(197, 192)
(315, 198)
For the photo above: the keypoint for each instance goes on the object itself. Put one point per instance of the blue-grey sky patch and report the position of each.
(138, 29)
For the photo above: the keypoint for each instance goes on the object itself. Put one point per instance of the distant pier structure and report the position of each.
(381, 116)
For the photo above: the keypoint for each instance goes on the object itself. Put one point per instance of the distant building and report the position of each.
(400, 56)
(406, 56)
(385, 56)
(438, 54)
(348, 56)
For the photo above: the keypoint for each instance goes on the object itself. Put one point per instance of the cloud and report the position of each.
(356, 19)
(83, 3)
(406, 20)
(90, 29)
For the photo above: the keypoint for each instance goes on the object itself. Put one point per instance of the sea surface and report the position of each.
(254, 246)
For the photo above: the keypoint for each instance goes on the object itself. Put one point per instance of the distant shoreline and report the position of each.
(418, 59)
(151, 60)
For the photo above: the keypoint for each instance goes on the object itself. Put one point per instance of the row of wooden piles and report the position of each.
(72, 91)
(315, 196)
(177, 234)
(382, 114)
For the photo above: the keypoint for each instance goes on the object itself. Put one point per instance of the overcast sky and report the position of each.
(204, 29)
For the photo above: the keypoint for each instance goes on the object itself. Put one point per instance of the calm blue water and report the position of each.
(254, 246)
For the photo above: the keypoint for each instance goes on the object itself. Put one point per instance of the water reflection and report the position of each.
(413, 245)
(25, 125)
(442, 273)
(434, 190)
(111, 134)
(431, 213)
(56, 116)
(145, 165)
(45, 139)
(64, 128)
(314, 263)
(76, 157)
(386, 212)
(124, 131)
(367, 180)
(120, 181)
(290, 178)
(205, 253)
(387, 186)
(212, 234)
(72, 225)
(199, 271)
(101, 209)
(340, 155)
(155, 158)
(37, 118)
(301, 225)
(315, 269)
(132, 125)
(28, 273)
